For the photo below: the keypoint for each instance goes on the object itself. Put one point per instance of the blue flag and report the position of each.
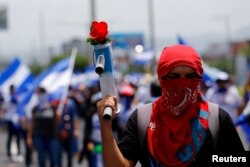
(53, 80)
(17, 74)
(181, 41)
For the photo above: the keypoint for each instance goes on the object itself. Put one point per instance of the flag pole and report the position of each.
(66, 90)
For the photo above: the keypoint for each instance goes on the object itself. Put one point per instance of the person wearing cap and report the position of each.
(126, 93)
(178, 132)
(226, 94)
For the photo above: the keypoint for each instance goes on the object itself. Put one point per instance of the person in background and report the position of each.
(92, 136)
(155, 90)
(126, 93)
(88, 91)
(12, 118)
(243, 126)
(25, 122)
(1, 110)
(68, 129)
(178, 132)
(226, 95)
(246, 91)
(77, 96)
(142, 93)
(42, 131)
(92, 142)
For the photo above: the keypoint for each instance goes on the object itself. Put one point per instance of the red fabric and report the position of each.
(177, 94)
(56, 102)
(178, 55)
(127, 90)
(204, 107)
(99, 31)
(170, 135)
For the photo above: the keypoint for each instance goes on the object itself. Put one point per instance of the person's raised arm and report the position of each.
(111, 153)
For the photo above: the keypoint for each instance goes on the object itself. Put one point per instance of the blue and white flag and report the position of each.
(17, 74)
(54, 80)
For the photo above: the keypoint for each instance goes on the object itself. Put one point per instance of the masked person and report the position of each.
(178, 132)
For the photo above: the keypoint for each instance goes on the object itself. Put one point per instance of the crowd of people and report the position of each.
(179, 120)
(52, 130)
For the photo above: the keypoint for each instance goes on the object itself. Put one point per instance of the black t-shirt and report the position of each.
(44, 124)
(228, 142)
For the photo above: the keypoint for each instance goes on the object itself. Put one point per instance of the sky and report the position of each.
(35, 25)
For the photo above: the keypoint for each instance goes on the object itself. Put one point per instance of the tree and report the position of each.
(36, 68)
(81, 62)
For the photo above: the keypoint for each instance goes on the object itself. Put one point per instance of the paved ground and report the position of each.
(5, 162)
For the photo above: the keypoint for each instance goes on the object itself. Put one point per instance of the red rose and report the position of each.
(99, 31)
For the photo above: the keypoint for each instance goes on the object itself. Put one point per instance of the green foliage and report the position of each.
(224, 64)
(246, 51)
(36, 68)
(137, 68)
(81, 62)
(94, 42)
(57, 58)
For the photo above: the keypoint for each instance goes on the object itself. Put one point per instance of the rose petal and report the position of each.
(99, 31)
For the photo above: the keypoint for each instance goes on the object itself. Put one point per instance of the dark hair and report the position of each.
(12, 88)
(41, 90)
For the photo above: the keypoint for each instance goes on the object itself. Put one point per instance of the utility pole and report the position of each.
(42, 39)
(227, 23)
(92, 18)
(225, 19)
(152, 31)
(92, 10)
(228, 29)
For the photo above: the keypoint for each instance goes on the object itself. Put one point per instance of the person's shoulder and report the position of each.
(133, 114)
(233, 89)
(224, 115)
(141, 107)
(222, 112)
(35, 108)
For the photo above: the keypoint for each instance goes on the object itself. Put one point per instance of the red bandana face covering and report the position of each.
(178, 123)
(178, 94)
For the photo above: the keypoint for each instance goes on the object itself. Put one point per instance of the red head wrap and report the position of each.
(178, 55)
